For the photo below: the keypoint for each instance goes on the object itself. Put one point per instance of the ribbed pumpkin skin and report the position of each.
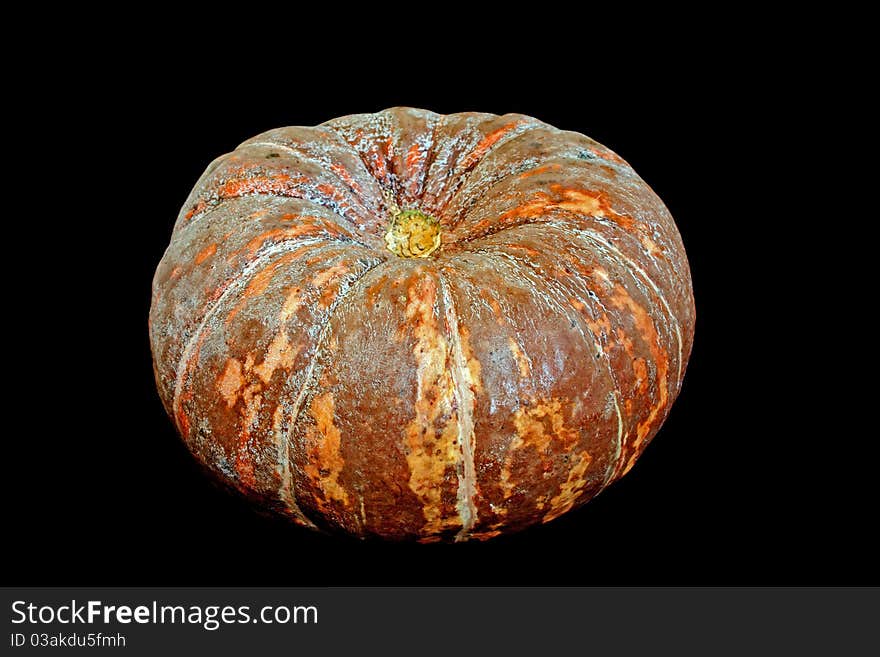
(499, 382)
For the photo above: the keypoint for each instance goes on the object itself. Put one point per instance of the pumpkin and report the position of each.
(421, 327)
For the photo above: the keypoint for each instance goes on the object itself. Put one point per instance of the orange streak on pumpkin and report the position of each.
(522, 249)
(231, 382)
(627, 344)
(182, 419)
(281, 184)
(414, 164)
(431, 438)
(309, 226)
(473, 363)
(600, 327)
(372, 292)
(291, 304)
(539, 170)
(275, 234)
(326, 463)
(651, 246)
(541, 426)
(538, 426)
(522, 361)
(384, 151)
(336, 271)
(414, 156)
(591, 203)
(332, 192)
(260, 282)
(244, 465)
(484, 536)
(343, 173)
(206, 253)
(486, 143)
(281, 353)
(645, 325)
(576, 201)
(640, 369)
(580, 201)
(572, 488)
(378, 162)
(329, 295)
(327, 283)
(493, 304)
(249, 381)
(535, 207)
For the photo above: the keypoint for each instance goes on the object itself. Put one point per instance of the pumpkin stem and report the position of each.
(411, 233)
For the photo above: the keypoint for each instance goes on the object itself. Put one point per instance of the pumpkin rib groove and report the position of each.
(327, 240)
(474, 239)
(334, 130)
(628, 265)
(614, 463)
(303, 155)
(622, 435)
(549, 297)
(457, 145)
(322, 336)
(348, 236)
(465, 398)
(365, 214)
(221, 202)
(622, 259)
(233, 284)
(462, 215)
(430, 154)
(286, 492)
(462, 177)
(584, 330)
(340, 138)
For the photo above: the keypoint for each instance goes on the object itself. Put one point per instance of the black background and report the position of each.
(745, 483)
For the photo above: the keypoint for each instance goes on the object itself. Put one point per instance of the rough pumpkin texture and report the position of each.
(499, 381)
